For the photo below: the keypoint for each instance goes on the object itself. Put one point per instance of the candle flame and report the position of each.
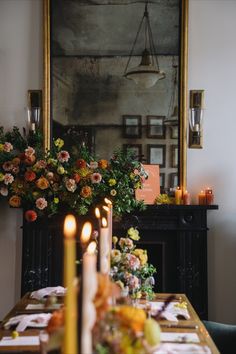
(107, 201)
(97, 213)
(104, 222)
(69, 226)
(86, 232)
(92, 247)
(105, 208)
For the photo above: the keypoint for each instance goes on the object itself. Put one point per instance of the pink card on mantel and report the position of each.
(151, 186)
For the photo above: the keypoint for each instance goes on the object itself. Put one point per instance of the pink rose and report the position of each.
(4, 191)
(29, 152)
(7, 147)
(70, 185)
(41, 203)
(63, 156)
(7, 166)
(132, 261)
(96, 177)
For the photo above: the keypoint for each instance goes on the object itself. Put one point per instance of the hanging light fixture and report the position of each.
(172, 118)
(147, 73)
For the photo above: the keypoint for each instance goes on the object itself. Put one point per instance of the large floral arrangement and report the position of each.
(46, 183)
(129, 266)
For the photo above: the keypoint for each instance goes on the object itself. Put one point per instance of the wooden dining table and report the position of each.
(183, 326)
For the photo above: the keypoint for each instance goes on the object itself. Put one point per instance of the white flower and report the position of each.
(96, 177)
(29, 151)
(8, 178)
(70, 184)
(63, 156)
(93, 165)
(4, 191)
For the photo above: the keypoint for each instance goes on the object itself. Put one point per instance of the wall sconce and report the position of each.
(147, 73)
(196, 118)
(34, 109)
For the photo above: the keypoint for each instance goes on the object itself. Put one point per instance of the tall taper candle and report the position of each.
(109, 204)
(70, 333)
(89, 291)
(104, 246)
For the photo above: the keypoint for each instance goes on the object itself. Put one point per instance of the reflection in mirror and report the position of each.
(93, 103)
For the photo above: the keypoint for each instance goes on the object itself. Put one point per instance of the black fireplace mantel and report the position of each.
(175, 237)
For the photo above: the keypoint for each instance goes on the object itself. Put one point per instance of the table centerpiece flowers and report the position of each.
(129, 266)
(47, 183)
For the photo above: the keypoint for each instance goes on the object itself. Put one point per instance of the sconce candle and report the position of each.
(89, 291)
(70, 334)
(202, 198)
(178, 196)
(186, 198)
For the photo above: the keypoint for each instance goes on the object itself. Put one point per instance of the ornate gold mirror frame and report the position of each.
(183, 89)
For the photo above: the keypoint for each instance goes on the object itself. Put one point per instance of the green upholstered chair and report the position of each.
(223, 335)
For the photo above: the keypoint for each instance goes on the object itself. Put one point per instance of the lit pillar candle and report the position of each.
(70, 334)
(209, 196)
(186, 198)
(104, 246)
(89, 291)
(109, 217)
(202, 198)
(178, 196)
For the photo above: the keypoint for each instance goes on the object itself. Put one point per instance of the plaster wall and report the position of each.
(20, 69)
(212, 52)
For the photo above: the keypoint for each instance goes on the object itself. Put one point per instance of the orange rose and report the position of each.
(30, 215)
(42, 183)
(102, 164)
(132, 317)
(30, 176)
(81, 163)
(76, 177)
(86, 192)
(15, 201)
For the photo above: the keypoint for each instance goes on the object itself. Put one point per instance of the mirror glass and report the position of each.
(91, 102)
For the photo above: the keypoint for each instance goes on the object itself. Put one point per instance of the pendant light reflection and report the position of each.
(172, 118)
(147, 73)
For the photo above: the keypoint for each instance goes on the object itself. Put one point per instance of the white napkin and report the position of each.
(41, 293)
(179, 337)
(23, 341)
(171, 312)
(176, 348)
(39, 320)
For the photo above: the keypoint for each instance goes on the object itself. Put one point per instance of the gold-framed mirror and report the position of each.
(71, 14)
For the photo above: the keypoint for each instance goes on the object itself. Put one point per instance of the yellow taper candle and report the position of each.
(70, 335)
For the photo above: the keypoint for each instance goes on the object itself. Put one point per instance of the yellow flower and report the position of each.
(59, 143)
(52, 162)
(56, 200)
(1, 177)
(112, 182)
(133, 233)
(1, 147)
(60, 170)
(114, 240)
(132, 175)
(15, 201)
(83, 172)
(35, 194)
(137, 185)
(132, 317)
(142, 255)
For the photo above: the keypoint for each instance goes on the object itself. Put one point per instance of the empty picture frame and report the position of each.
(174, 132)
(173, 180)
(174, 155)
(156, 154)
(136, 149)
(132, 126)
(162, 181)
(155, 127)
